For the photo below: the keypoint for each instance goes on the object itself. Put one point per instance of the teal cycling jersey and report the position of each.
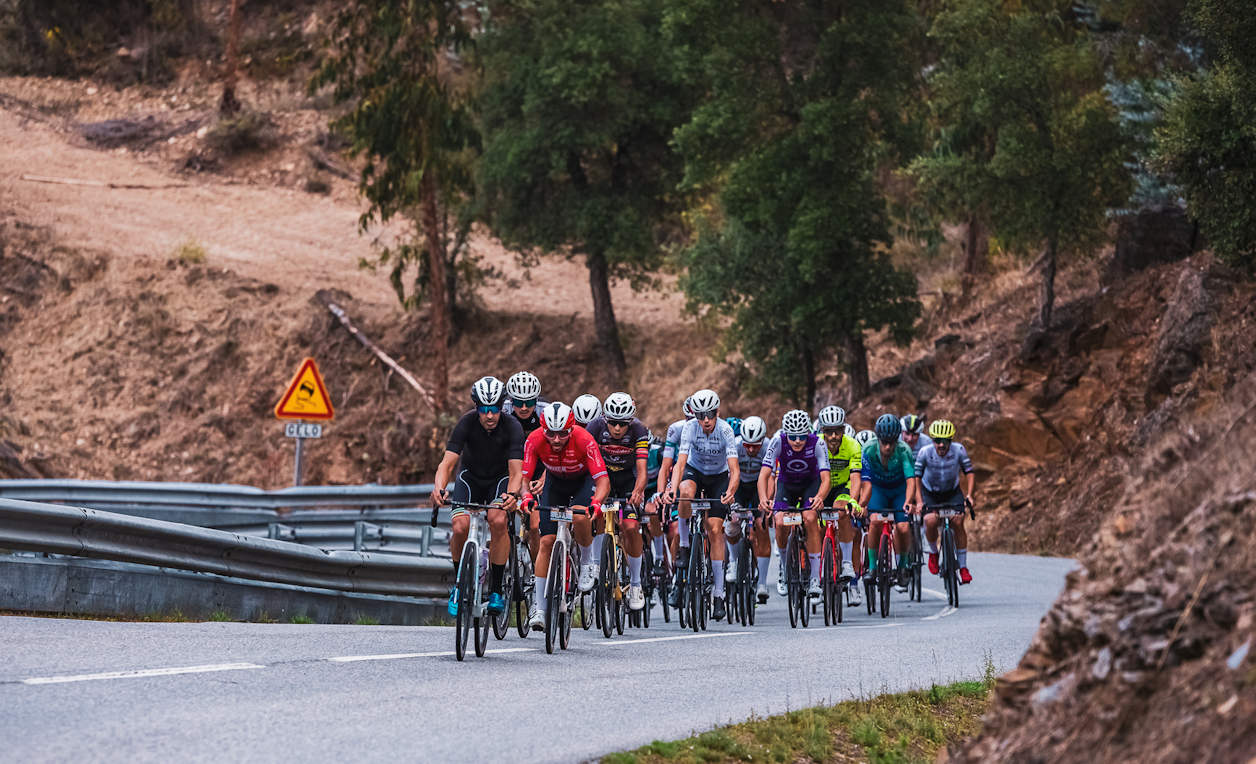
(893, 473)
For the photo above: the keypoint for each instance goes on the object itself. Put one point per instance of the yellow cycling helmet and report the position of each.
(941, 429)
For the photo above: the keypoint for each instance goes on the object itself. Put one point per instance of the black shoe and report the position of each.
(673, 597)
(682, 558)
(717, 609)
(902, 579)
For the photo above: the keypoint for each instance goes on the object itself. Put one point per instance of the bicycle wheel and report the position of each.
(885, 575)
(664, 590)
(828, 589)
(481, 635)
(605, 599)
(951, 560)
(694, 584)
(462, 622)
(752, 589)
(804, 593)
(744, 585)
(621, 603)
(573, 591)
(647, 582)
(553, 587)
(788, 561)
(501, 622)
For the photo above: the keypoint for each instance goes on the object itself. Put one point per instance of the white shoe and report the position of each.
(730, 572)
(536, 620)
(781, 589)
(813, 590)
(588, 577)
(762, 594)
(636, 598)
(856, 597)
(848, 572)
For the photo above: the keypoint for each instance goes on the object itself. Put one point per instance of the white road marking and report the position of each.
(844, 627)
(943, 613)
(143, 673)
(614, 643)
(352, 658)
(932, 593)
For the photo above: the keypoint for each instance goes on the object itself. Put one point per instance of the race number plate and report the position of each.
(561, 515)
(793, 518)
(700, 505)
(831, 517)
(949, 513)
(882, 518)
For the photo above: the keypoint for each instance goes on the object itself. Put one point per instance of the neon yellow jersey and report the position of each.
(848, 459)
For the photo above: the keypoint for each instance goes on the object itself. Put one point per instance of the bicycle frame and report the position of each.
(477, 546)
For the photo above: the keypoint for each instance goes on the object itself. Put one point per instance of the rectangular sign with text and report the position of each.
(303, 430)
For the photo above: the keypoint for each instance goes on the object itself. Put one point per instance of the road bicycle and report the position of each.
(561, 583)
(915, 558)
(641, 618)
(948, 559)
(518, 582)
(469, 587)
(833, 586)
(885, 577)
(658, 581)
(611, 598)
(797, 568)
(741, 597)
(696, 582)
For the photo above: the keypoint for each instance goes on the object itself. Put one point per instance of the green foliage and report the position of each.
(578, 107)
(300, 618)
(242, 131)
(1208, 139)
(366, 620)
(220, 616)
(802, 108)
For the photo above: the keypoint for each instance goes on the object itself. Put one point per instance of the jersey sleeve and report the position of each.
(458, 437)
(856, 458)
(686, 438)
(908, 462)
(730, 440)
(770, 453)
(531, 452)
(922, 460)
(965, 463)
(642, 439)
(592, 453)
(515, 449)
(822, 457)
(671, 443)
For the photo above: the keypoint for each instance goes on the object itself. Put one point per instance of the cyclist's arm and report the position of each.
(665, 473)
(443, 474)
(856, 483)
(515, 484)
(638, 490)
(679, 470)
(601, 488)
(971, 477)
(734, 480)
(765, 474)
(825, 485)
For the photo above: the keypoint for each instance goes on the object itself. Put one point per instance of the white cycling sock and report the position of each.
(717, 567)
(848, 549)
(634, 569)
(763, 570)
(684, 532)
(734, 548)
(586, 554)
(815, 566)
(933, 547)
(541, 601)
(660, 547)
(963, 558)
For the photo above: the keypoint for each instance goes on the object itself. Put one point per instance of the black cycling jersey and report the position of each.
(486, 454)
(621, 454)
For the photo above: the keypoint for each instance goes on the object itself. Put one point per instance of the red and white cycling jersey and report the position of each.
(580, 455)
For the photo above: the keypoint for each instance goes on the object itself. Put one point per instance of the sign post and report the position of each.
(305, 398)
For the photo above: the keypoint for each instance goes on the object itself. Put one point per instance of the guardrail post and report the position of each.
(363, 531)
(282, 532)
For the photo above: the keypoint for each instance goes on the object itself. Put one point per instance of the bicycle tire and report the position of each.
(605, 599)
(569, 599)
(827, 587)
(695, 584)
(501, 621)
(647, 581)
(621, 604)
(804, 588)
(552, 584)
(884, 575)
(482, 629)
(744, 586)
(462, 621)
(839, 585)
(791, 585)
(952, 565)
(752, 590)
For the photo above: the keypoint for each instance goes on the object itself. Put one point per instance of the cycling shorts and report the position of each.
(938, 498)
(835, 492)
(748, 495)
(709, 487)
(472, 490)
(884, 501)
(560, 492)
(795, 495)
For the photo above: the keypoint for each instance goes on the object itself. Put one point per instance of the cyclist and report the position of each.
(735, 423)
(706, 465)
(625, 445)
(575, 476)
(845, 466)
(939, 466)
(803, 482)
(889, 488)
(524, 391)
(863, 438)
(913, 433)
(658, 537)
(749, 460)
(668, 460)
(490, 449)
(586, 408)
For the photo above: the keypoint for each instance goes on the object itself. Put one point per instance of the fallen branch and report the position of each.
(98, 183)
(381, 355)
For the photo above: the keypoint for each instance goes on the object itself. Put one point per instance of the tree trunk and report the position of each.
(230, 104)
(1046, 294)
(604, 318)
(809, 371)
(438, 310)
(976, 251)
(857, 367)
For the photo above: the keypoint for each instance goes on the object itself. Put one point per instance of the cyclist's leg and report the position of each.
(536, 484)
(815, 536)
(499, 537)
(713, 488)
(582, 528)
(688, 490)
(461, 521)
(547, 531)
(878, 503)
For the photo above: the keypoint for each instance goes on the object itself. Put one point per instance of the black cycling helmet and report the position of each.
(888, 427)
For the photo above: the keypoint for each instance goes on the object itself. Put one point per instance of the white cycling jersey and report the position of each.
(941, 473)
(672, 442)
(749, 464)
(708, 454)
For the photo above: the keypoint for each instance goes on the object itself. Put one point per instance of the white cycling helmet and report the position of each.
(557, 416)
(796, 422)
(687, 407)
(523, 386)
(832, 416)
(864, 437)
(850, 431)
(586, 408)
(619, 406)
(753, 429)
(703, 401)
(487, 391)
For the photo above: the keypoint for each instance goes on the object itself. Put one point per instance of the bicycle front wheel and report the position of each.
(789, 570)
(553, 604)
(885, 575)
(466, 584)
(828, 589)
(605, 599)
(951, 560)
(569, 599)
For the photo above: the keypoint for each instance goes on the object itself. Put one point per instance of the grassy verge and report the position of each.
(887, 729)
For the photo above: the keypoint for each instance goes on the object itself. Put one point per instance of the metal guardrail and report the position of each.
(91, 533)
(366, 518)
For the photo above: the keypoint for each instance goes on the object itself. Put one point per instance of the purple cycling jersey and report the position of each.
(797, 466)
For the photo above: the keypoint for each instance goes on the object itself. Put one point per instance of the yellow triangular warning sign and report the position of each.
(306, 397)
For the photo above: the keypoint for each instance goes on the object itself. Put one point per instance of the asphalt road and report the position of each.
(135, 692)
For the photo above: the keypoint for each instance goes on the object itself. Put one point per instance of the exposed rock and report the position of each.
(1184, 331)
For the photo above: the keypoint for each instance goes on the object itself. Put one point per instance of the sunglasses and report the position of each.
(618, 422)
(557, 434)
(829, 433)
(941, 441)
(489, 409)
(706, 415)
(525, 404)
(887, 442)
